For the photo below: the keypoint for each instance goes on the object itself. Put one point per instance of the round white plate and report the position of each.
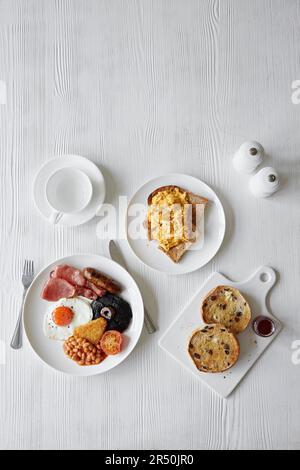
(50, 351)
(88, 167)
(214, 227)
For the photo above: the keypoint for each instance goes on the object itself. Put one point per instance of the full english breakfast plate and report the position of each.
(196, 224)
(83, 315)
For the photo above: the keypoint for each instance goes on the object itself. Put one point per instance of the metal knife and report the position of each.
(116, 255)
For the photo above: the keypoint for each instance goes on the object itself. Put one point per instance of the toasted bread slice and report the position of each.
(177, 252)
(214, 349)
(198, 204)
(92, 331)
(227, 306)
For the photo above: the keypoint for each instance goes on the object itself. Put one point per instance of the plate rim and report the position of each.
(99, 372)
(169, 272)
(61, 157)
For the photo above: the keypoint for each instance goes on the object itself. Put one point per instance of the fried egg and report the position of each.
(64, 316)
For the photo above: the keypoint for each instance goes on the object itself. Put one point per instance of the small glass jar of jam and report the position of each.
(264, 326)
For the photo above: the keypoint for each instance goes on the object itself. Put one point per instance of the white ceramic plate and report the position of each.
(50, 351)
(88, 167)
(175, 340)
(214, 227)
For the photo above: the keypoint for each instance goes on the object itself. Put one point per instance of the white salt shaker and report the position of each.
(264, 183)
(248, 157)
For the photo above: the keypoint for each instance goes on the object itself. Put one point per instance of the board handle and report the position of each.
(266, 277)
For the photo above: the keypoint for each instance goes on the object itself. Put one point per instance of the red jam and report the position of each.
(263, 326)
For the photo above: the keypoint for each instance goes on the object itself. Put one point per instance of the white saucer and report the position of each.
(88, 167)
(214, 227)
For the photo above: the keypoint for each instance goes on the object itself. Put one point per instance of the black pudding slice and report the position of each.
(123, 312)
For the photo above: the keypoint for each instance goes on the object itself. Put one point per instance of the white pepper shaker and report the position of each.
(264, 183)
(248, 157)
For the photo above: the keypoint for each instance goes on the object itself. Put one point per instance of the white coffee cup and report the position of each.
(68, 190)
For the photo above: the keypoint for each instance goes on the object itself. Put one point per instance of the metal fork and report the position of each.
(27, 278)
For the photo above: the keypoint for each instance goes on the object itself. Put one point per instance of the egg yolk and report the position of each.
(62, 316)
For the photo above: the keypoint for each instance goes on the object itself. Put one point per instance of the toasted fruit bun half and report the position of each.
(177, 252)
(227, 306)
(214, 349)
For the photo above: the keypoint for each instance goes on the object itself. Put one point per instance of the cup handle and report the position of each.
(55, 217)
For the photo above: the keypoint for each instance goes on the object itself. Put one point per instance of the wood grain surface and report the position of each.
(143, 88)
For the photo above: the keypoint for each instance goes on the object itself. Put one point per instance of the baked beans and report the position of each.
(83, 352)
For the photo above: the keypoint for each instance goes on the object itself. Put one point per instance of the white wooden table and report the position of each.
(143, 88)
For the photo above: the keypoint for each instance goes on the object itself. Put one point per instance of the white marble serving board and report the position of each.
(175, 340)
